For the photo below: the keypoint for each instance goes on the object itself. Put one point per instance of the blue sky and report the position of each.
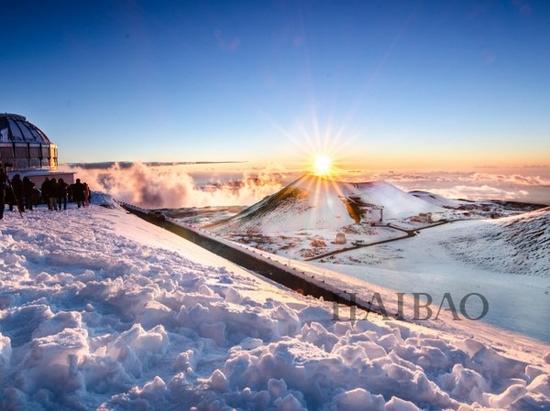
(407, 82)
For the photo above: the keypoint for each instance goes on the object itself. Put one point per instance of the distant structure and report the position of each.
(27, 150)
(426, 218)
(340, 238)
(24, 145)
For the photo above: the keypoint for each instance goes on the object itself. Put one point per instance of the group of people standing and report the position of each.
(56, 193)
(23, 194)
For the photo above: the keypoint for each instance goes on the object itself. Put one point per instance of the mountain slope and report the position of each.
(313, 202)
(518, 244)
(436, 199)
(396, 202)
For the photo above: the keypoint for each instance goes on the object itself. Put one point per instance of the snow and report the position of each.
(437, 261)
(99, 309)
(303, 220)
(437, 199)
(313, 202)
(397, 203)
(517, 244)
(309, 202)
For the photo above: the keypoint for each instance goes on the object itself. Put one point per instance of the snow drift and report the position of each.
(99, 309)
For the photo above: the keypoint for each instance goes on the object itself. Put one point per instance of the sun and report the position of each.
(322, 165)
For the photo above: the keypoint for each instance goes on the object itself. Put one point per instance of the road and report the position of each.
(409, 233)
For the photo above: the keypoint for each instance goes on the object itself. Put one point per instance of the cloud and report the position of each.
(174, 187)
(511, 178)
(475, 185)
(479, 192)
(465, 177)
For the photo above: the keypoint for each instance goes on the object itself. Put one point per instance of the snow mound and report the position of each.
(396, 202)
(99, 309)
(519, 244)
(103, 200)
(313, 202)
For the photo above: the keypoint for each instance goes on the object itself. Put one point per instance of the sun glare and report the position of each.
(322, 165)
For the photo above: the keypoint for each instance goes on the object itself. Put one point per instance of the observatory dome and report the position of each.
(23, 145)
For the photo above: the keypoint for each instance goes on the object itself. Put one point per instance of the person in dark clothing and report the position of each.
(18, 192)
(52, 194)
(10, 198)
(87, 193)
(78, 192)
(70, 195)
(36, 196)
(61, 194)
(3, 188)
(28, 191)
(45, 190)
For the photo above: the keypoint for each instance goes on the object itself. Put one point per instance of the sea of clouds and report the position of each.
(180, 185)
(529, 184)
(174, 186)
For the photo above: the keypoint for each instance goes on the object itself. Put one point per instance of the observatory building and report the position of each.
(27, 150)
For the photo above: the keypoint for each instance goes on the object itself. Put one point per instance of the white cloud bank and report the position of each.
(174, 187)
(525, 186)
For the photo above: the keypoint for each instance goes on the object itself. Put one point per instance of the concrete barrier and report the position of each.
(272, 270)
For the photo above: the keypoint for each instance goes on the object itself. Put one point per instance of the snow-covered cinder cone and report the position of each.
(313, 202)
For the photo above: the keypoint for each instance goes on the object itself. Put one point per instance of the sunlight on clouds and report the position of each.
(174, 186)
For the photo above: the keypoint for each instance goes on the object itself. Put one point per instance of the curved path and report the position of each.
(409, 233)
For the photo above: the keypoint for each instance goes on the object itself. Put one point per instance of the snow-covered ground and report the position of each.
(99, 309)
(516, 244)
(310, 243)
(507, 260)
(303, 219)
(497, 248)
(316, 203)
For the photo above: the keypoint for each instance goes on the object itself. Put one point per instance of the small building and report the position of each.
(362, 211)
(26, 150)
(374, 213)
(340, 238)
(426, 218)
(421, 218)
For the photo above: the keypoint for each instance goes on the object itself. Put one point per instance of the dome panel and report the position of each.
(15, 131)
(39, 137)
(26, 133)
(19, 130)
